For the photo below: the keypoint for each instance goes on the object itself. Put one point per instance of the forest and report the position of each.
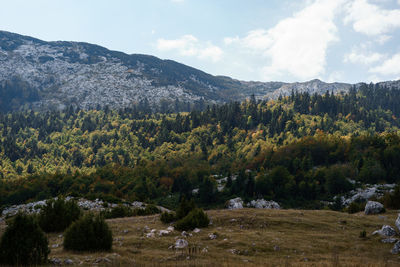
(299, 150)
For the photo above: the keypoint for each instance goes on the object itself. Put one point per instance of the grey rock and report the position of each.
(196, 230)
(396, 248)
(398, 222)
(68, 261)
(386, 230)
(181, 243)
(264, 204)
(212, 236)
(55, 261)
(235, 203)
(373, 207)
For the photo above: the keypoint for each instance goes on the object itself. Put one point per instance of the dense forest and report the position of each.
(297, 150)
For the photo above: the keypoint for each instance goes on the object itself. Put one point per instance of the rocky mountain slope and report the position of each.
(43, 75)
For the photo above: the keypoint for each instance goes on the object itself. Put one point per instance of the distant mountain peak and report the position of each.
(44, 75)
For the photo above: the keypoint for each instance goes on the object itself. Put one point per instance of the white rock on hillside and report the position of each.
(398, 222)
(235, 203)
(386, 230)
(373, 207)
(264, 204)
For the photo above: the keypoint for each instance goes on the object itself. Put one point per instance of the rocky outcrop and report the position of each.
(263, 204)
(386, 231)
(373, 207)
(398, 222)
(235, 203)
(366, 193)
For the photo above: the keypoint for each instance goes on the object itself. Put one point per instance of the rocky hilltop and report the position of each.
(53, 75)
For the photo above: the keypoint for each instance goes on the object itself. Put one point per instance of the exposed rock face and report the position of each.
(374, 190)
(398, 222)
(390, 240)
(373, 207)
(264, 204)
(386, 230)
(235, 203)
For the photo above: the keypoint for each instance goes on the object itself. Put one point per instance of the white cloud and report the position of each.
(296, 45)
(357, 57)
(390, 66)
(370, 19)
(189, 45)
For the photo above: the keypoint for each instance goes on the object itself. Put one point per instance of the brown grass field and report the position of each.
(248, 237)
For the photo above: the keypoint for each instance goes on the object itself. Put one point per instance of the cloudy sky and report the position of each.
(284, 40)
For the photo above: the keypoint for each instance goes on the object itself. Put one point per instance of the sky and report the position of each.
(259, 40)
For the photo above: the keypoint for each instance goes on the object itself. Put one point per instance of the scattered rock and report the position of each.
(373, 207)
(389, 240)
(235, 203)
(68, 262)
(204, 250)
(212, 236)
(398, 222)
(150, 235)
(55, 261)
(396, 248)
(146, 228)
(99, 260)
(263, 204)
(170, 228)
(55, 246)
(163, 232)
(181, 243)
(125, 231)
(277, 248)
(196, 230)
(386, 230)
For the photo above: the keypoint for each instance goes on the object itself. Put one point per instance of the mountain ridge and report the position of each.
(53, 75)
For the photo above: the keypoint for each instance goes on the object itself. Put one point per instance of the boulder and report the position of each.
(163, 232)
(396, 248)
(181, 243)
(373, 207)
(235, 203)
(386, 230)
(264, 204)
(212, 236)
(398, 222)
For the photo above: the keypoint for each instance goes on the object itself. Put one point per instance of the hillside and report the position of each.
(247, 237)
(54, 75)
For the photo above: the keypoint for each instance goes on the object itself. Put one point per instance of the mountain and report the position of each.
(53, 75)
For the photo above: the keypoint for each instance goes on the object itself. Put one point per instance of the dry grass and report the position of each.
(250, 237)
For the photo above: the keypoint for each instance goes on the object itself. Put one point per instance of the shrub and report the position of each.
(89, 233)
(363, 234)
(184, 208)
(167, 217)
(355, 207)
(119, 211)
(58, 214)
(195, 218)
(392, 200)
(124, 211)
(23, 243)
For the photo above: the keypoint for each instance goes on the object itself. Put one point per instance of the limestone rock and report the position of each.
(398, 222)
(389, 240)
(235, 203)
(181, 243)
(373, 207)
(396, 248)
(264, 204)
(386, 230)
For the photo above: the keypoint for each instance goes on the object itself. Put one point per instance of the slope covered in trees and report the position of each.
(298, 150)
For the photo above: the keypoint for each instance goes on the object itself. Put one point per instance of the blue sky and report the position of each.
(280, 40)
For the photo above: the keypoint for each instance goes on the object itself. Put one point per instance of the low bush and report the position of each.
(195, 218)
(167, 217)
(121, 211)
(58, 214)
(355, 207)
(89, 233)
(184, 208)
(392, 200)
(23, 243)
